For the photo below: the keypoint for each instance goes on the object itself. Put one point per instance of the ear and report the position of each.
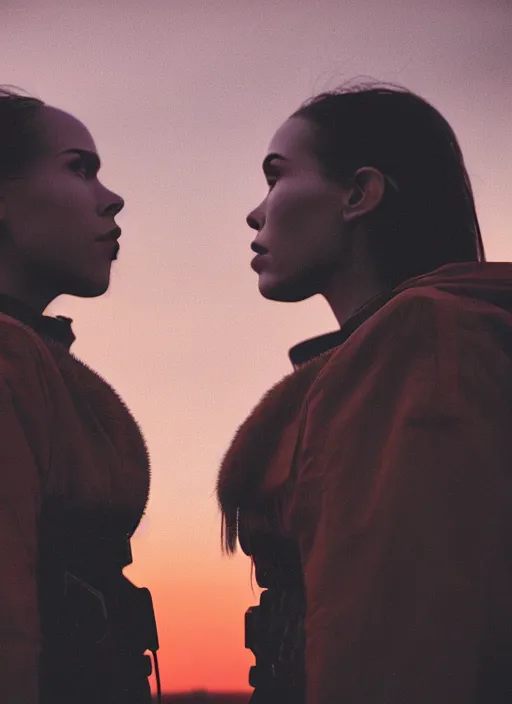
(365, 193)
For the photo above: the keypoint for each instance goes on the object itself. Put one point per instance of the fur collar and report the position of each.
(260, 457)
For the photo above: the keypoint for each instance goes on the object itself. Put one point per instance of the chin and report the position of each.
(89, 288)
(285, 291)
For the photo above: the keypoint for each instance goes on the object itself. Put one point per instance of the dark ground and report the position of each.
(202, 697)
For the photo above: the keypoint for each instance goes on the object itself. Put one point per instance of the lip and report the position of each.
(111, 236)
(113, 247)
(258, 263)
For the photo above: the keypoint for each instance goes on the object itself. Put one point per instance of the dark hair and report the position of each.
(19, 141)
(428, 211)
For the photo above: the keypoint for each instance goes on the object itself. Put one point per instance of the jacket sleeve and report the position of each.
(23, 454)
(403, 489)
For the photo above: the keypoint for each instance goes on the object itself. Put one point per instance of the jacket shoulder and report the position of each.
(435, 304)
(426, 315)
(434, 338)
(14, 332)
(25, 360)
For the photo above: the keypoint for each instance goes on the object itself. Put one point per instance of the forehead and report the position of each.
(294, 140)
(61, 131)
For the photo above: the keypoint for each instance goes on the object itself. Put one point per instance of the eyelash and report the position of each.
(80, 168)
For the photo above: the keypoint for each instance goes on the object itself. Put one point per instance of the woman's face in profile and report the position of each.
(53, 214)
(299, 223)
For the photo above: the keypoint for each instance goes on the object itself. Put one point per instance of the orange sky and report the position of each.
(182, 99)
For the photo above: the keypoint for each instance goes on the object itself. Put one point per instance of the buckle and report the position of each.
(85, 613)
(252, 624)
(151, 632)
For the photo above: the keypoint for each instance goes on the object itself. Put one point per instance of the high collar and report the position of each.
(56, 329)
(309, 349)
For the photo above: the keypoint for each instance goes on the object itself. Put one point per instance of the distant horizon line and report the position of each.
(201, 690)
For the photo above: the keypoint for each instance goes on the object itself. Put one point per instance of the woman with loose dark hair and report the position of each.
(75, 470)
(372, 486)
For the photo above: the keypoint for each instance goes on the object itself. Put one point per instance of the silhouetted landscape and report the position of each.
(202, 696)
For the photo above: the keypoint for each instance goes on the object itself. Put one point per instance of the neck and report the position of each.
(350, 290)
(38, 302)
(26, 289)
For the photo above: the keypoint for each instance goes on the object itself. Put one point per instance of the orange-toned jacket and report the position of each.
(69, 448)
(385, 464)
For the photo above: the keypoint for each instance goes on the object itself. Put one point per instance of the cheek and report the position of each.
(50, 208)
(60, 198)
(302, 223)
(290, 209)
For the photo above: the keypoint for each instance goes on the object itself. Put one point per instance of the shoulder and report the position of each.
(420, 313)
(435, 339)
(17, 339)
(24, 357)
(436, 305)
(429, 318)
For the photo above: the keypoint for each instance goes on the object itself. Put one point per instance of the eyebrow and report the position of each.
(270, 158)
(89, 157)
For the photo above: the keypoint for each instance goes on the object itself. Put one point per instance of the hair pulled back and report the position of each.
(427, 216)
(19, 139)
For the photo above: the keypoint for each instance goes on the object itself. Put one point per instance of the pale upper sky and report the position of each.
(182, 99)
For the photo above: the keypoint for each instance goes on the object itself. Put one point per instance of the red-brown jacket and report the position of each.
(71, 454)
(380, 472)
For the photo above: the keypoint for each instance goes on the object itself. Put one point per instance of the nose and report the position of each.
(254, 220)
(115, 206)
(110, 203)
